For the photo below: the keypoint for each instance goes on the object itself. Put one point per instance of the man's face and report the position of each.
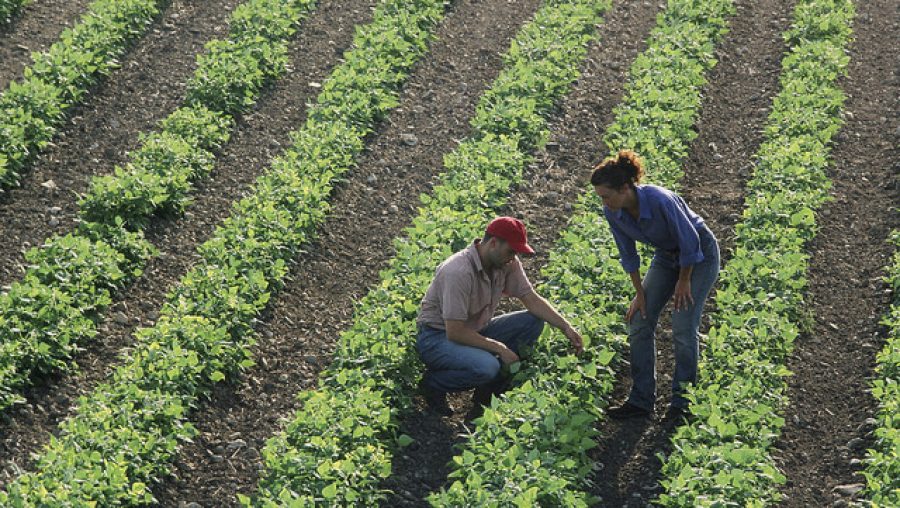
(500, 253)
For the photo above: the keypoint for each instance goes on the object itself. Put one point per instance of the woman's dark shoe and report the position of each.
(628, 410)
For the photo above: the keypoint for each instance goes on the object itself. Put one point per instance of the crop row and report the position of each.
(10, 7)
(338, 447)
(529, 447)
(126, 431)
(722, 458)
(46, 317)
(883, 462)
(31, 110)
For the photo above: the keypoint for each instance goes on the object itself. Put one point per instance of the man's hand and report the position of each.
(575, 338)
(537, 305)
(507, 355)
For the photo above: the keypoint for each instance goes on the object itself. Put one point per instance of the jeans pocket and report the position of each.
(427, 339)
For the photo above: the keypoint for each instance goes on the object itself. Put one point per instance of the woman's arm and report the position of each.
(639, 302)
(690, 250)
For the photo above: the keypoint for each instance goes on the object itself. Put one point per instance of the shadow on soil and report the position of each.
(425, 463)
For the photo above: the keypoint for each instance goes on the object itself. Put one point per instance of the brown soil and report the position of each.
(833, 362)
(298, 334)
(34, 29)
(555, 178)
(735, 104)
(100, 132)
(258, 137)
(298, 331)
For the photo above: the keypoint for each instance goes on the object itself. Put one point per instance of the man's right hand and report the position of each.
(457, 332)
(507, 355)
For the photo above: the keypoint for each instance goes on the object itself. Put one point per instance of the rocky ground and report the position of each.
(826, 432)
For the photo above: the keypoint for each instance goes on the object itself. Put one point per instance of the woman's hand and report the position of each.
(638, 304)
(683, 298)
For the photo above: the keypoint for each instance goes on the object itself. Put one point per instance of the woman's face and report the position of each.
(614, 199)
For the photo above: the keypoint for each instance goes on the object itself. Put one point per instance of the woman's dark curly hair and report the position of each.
(625, 168)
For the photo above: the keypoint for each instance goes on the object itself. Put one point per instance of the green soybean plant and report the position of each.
(107, 249)
(229, 78)
(124, 434)
(882, 470)
(8, 8)
(31, 110)
(375, 367)
(530, 447)
(723, 457)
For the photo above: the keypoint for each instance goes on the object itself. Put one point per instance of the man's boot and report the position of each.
(436, 401)
(483, 394)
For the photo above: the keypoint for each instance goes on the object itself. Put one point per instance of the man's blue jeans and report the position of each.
(659, 286)
(454, 367)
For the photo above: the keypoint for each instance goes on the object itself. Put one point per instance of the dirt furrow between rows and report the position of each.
(826, 433)
(299, 331)
(34, 29)
(258, 138)
(551, 183)
(100, 132)
(735, 104)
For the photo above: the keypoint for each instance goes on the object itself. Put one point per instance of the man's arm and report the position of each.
(537, 305)
(458, 332)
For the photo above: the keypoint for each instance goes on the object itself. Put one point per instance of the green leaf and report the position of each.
(138, 489)
(606, 356)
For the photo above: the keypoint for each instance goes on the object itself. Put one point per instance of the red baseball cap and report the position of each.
(513, 231)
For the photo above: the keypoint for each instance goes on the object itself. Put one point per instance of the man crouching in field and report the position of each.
(459, 342)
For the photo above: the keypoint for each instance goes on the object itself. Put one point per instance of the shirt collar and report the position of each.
(644, 211)
(473, 254)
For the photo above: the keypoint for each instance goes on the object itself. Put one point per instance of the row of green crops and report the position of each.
(722, 458)
(228, 79)
(32, 110)
(46, 317)
(338, 447)
(529, 448)
(125, 432)
(10, 7)
(883, 463)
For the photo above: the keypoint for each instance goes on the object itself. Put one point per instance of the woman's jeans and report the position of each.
(454, 367)
(659, 286)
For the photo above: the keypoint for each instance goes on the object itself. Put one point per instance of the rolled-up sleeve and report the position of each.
(680, 227)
